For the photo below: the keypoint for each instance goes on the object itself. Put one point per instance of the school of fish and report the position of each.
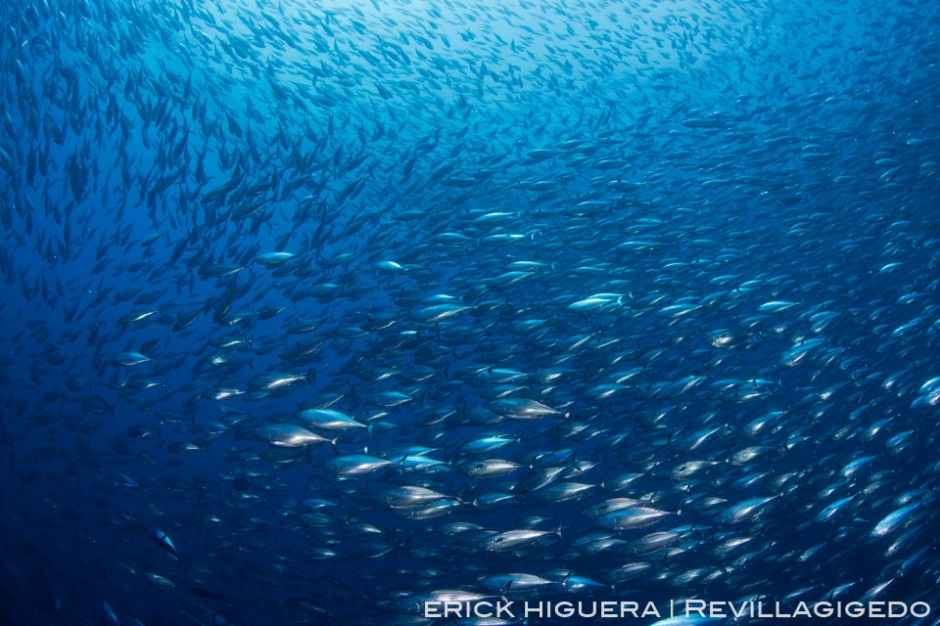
(317, 313)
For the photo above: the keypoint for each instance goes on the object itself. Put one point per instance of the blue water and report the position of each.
(647, 291)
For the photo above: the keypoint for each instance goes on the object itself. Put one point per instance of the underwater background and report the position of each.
(318, 312)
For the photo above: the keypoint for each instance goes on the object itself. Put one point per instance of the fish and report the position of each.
(511, 540)
(288, 435)
(163, 540)
(130, 358)
(894, 520)
(329, 419)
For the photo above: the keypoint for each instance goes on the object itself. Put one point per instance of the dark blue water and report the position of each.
(320, 314)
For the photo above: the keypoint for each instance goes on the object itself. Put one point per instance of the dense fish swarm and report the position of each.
(317, 312)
